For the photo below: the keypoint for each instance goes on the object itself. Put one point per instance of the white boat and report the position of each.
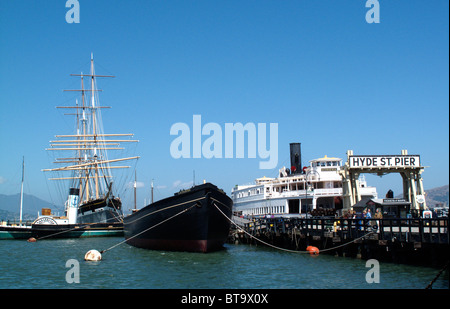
(297, 191)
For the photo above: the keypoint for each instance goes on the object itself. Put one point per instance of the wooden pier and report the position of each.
(401, 240)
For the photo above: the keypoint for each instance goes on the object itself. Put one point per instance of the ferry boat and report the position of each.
(193, 220)
(297, 191)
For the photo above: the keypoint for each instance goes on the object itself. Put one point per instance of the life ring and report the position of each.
(312, 250)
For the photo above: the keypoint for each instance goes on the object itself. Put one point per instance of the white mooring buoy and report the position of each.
(93, 255)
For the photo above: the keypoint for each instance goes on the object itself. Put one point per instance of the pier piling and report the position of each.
(400, 240)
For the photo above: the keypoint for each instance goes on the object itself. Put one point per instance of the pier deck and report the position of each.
(404, 240)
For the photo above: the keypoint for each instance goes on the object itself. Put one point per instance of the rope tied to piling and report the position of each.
(288, 250)
(430, 285)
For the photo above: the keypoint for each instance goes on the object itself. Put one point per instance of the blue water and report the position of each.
(43, 265)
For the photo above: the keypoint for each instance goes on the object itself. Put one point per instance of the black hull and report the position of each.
(101, 211)
(164, 226)
(14, 232)
(96, 218)
(51, 231)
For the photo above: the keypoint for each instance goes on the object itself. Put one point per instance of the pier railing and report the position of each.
(420, 230)
(15, 222)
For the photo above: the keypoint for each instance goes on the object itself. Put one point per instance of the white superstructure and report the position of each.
(317, 186)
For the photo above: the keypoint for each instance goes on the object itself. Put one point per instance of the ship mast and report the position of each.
(21, 191)
(90, 167)
(94, 127)
(152, 191)
(135, 187)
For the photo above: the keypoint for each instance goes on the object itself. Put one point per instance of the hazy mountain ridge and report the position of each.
(10, 205)
(437, 195)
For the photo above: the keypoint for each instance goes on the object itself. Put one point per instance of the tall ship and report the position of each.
(297, 191)
(193, 220)
(86, 168)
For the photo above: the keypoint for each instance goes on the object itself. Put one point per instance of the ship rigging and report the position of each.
(92, 191)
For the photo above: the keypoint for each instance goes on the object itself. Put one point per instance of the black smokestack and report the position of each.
(74, 191)
(296, 158)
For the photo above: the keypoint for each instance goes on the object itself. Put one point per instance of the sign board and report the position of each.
(420, 199)
(45, 220)
(394, 161)
(394, 200)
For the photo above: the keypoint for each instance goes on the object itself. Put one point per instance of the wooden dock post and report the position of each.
(402, 240)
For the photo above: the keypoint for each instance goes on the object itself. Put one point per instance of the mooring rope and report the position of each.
(151, 213)
(88, 224)
(74, 228)
(430, 285)
(283, 249)
(168, 219)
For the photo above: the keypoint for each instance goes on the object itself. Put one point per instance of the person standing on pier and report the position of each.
(368, 214)
(378, 214)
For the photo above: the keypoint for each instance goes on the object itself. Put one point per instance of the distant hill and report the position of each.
(437, 195)
(10, 204)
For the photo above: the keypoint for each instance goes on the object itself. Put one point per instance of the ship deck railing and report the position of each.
(15, 223)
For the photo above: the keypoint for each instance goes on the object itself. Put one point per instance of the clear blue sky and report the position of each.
(328, 78)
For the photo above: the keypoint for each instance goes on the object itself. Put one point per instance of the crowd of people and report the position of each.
(366, 214)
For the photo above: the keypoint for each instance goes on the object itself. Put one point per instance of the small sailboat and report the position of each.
(16, 231)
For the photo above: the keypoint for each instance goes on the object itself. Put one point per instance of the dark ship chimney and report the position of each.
(296, 158)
